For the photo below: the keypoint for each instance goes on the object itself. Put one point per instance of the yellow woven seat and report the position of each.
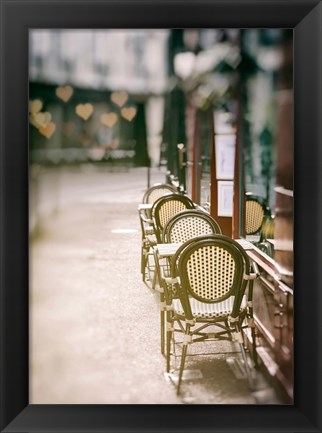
(200, 310)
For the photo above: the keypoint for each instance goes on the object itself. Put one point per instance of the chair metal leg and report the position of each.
(144, 260)
(227, 327)
(242, 349)
(162, 321)
(168, 350)
(254, 346)
(251, 322)
(155, 279)
(151, 267)
(147, 269)
(168, 339)
(183, 357)
(247, 369)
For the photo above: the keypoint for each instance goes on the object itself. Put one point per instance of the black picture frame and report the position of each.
(17, 17)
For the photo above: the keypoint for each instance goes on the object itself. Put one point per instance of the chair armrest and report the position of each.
(256, 270)
(145, 219)
(167, 283)
(252, 275)
(162, 275)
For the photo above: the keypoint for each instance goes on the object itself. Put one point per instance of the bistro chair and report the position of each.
(180, 228)
(162, 211)
(150, 196)
(188, 224)
(256, 212)
(165, 208)
(156, 191)
(267, 237)
(210, 274)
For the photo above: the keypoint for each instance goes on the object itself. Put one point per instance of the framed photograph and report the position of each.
(225, 155)
(17, 412)
(225, 198)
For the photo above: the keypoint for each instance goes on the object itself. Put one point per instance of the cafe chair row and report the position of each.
(205, 279)
(153, 217)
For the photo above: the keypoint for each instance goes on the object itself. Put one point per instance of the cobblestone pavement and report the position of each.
(94, 325)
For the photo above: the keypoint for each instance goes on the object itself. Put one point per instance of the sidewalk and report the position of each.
(94, 325)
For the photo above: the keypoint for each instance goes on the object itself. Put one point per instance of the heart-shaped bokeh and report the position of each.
(128, 113)
(108, 119)
(40, 119)
(48, 130)
(64, 93)
(119, 98)
(84, 110)
(35, 106)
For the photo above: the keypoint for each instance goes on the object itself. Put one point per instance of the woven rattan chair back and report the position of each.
(211, 269)
(166, 207)
(157, 191)
(188, 224)
(255, 212)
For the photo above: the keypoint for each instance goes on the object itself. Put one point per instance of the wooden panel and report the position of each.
(283, 243)
(264, 308)
(273, 314)
(284, 312)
